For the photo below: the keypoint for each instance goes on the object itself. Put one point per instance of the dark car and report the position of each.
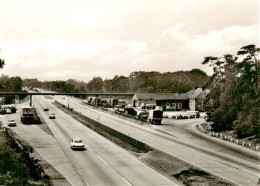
(130, 111)
(143, 115)
(45, 109)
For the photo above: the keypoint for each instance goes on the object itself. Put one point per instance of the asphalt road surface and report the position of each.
(102, 163)
(238, 165)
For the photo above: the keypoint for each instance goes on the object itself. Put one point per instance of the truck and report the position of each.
(104, 102)
(27, 115)
(112, 102)
(155, 117)
(95, 101)
(121, 102)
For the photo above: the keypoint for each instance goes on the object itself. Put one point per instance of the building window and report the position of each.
(192, 104)
(179, 105)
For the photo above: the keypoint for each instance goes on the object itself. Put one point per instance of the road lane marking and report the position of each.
(102, 159)
(126, 181)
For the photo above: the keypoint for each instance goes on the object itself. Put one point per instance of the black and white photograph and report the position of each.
(130, 92)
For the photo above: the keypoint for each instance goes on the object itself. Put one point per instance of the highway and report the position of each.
(102, 163)
(239, 168)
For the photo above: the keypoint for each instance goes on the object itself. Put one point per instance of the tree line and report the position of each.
(136, 82)
(10, 84)
(234, 101)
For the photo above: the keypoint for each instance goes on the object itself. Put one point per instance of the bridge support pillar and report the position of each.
(96, 101)
(30, 100)
(68, 102)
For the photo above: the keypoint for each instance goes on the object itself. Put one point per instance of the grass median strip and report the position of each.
(111, 134)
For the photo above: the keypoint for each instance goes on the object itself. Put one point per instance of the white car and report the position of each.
(52, 116)
(8, 111)
(77, 144)
(11, 123)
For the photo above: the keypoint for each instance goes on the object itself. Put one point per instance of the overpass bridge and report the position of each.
(64, 94)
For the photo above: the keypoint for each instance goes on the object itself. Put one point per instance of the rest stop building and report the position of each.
(192, 100)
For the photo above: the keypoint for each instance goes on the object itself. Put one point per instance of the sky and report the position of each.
(82, 39)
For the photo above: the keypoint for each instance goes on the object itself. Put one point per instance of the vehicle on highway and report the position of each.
(104, 103)
(130, 111)
(121, 102)
(120, 108)
(51, 116)
(45, 109)
(148, 107)
(8, 111)
(11, 123)
(155, 117)
(13, 109)
(143, 115)
(27, 115)
(77, 143)
(112, 102)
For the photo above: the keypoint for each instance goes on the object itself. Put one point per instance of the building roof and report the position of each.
(192, 94)
(203, 94)
(172, 96)
(197, 93)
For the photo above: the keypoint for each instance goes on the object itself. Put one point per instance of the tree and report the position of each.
(248, 122)
(250, 66)
(95, 85)
(234, 91)
(223, 92)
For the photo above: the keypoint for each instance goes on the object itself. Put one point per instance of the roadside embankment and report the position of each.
(19, 166)
(31, 169)
(228, 136)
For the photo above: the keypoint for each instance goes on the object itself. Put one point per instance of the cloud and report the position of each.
(175, 49)
(218, 42)
(104, 38)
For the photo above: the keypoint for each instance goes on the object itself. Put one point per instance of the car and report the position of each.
(130, 111)
(45, 109)
(77, 143)
(8, 111)
(11, 123)
(51, 116)
(143, 116)
(120, 108)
